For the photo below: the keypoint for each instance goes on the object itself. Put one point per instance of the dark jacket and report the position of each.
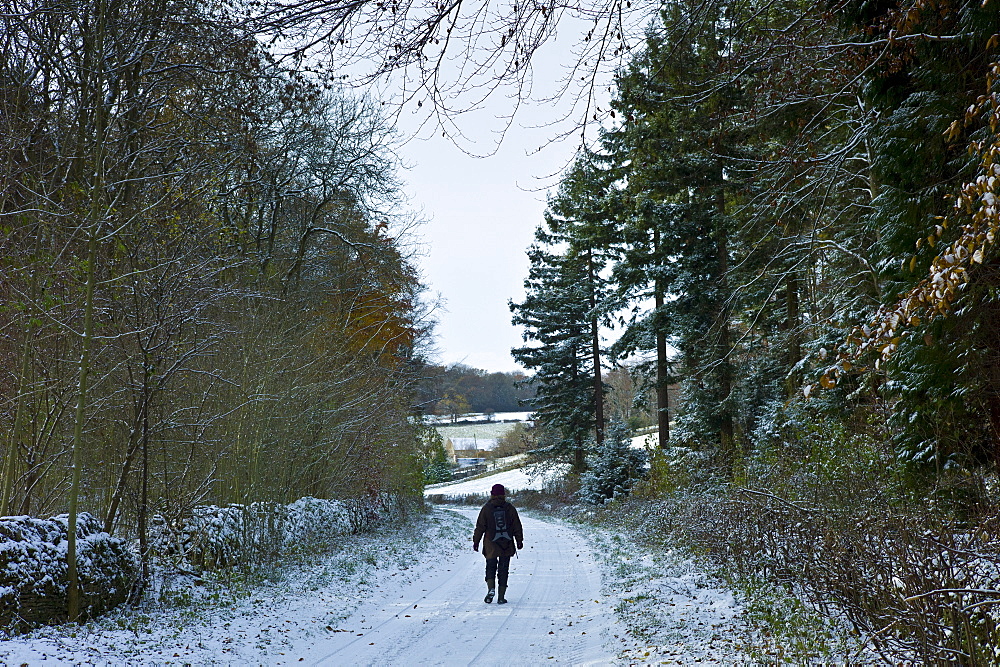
(484, 528)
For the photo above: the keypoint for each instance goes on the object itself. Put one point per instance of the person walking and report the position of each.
(499, 523)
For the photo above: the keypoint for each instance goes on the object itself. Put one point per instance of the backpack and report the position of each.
(501, 531)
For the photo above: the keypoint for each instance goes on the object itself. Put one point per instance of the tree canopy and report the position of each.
(799, 199)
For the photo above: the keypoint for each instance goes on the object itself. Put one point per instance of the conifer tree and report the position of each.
(941, 376)
(613, 467)
(554, 315)
(580, 216)
(673, 146)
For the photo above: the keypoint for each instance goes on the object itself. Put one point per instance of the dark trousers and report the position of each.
(499, 568)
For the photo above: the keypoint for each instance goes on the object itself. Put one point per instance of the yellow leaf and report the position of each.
(913, 264)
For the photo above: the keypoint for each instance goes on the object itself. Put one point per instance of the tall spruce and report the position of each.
(568, 303)
(554, 318)
(673, 147)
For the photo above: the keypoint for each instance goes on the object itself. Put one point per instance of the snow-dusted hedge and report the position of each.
(921, 589)
(33, 583)
(33, 568)
(214, 537)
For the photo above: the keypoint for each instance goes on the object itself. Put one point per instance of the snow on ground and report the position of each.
(371, 604)
(518, 479)
(480, 430)
(556, 613)
(415, 597)
(440, 420)
(647, 441)
(273, 623)
(671, 612)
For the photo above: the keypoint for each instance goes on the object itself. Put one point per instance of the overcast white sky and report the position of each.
(482, 213)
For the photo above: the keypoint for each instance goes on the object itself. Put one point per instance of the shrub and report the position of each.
(33, 568)
(613, 467)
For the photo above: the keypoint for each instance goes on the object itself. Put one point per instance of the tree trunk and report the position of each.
(143, 529)
(793, 380)
(31, 477)
(595, 351)
(662, 378)
(579, 451)
(727, 431)
(94, 67)
(662, 372)
(73, 594)
(133, 449)
(10, 465)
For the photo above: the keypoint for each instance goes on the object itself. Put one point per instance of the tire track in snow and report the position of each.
(554, 616)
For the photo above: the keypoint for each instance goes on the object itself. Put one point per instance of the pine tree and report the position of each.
(613, 467)
(568, 302)
(672, 147)
(580, 216)
(555, 318)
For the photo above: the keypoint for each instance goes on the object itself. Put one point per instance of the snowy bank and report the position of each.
(33, 568)
(33, 564)
(214, 537)
(520, 479)
(300, 604)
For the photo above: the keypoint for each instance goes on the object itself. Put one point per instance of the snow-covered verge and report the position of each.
(825, 586)
(226, 618)
(33, 569)
(680, 608)
(915, 586)
(669, 610)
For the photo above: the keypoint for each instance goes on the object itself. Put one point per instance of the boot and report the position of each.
(490, 584)
(502, 599)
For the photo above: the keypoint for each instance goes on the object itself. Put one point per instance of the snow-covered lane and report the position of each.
(555, 615)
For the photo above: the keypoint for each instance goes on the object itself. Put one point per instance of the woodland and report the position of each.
(459, 389)
(208, 292)
(791, 211)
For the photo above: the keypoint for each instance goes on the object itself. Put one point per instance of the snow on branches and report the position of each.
(977, 209)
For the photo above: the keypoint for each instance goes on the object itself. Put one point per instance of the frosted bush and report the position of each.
(33, 569)
(216, 537)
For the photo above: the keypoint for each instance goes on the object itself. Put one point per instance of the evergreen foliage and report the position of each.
(613, 467)
(554, 314)
(434, 456)
(483, 391)
(776, 192)
(567, 302)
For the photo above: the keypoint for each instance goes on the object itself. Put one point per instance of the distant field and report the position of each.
(494, 430)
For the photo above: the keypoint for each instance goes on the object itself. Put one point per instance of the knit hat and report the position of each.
(498, 490)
